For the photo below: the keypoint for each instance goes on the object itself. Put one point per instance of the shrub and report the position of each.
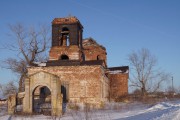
(73, 106)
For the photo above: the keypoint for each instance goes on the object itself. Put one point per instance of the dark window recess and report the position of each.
(98, 57)
(64, 57)
(64, 37)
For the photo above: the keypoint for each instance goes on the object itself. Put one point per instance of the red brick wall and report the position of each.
(93, 51)
(118, 85)
(85, 82)
(73, 52)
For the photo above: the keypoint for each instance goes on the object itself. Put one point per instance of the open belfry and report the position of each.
(76, 72)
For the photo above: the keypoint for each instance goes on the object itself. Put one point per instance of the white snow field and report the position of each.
(132, 111)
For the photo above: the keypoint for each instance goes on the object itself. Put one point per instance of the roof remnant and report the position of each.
(91, 42)
(116, 70)
(66, 20)
(73, 63)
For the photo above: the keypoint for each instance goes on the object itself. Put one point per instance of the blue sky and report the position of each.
(122, 26)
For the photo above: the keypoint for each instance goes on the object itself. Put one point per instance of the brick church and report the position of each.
(76, 71)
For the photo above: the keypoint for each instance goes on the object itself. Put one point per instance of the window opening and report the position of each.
(64, 57)
(65, 37)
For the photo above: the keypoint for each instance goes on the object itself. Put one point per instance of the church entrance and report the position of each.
(65, 93)
(42, 100)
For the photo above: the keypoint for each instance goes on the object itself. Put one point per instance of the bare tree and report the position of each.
(30, 46)
(144, 74)
(9, 88)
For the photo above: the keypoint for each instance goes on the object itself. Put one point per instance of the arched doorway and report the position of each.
(65, 93)
(42, 100)
(42, 91)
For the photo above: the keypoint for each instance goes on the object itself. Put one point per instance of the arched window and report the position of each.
(98, 57)
(65, 29)
(65, 37)
(64, 57)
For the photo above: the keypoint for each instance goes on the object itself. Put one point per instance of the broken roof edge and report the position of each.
(120, 69)
(66, 20)
(94, 41)
(69, 63)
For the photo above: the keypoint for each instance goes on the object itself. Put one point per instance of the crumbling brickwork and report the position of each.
(66, 39)
(72, 52)
(77, 69)
(60, 27)
(93, 51)
(11, 104)
(118, 85)
(85, 83)
(118, 77)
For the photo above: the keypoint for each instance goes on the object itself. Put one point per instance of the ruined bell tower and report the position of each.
(66, 39)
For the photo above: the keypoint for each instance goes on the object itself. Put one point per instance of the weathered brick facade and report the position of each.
(82, 83)
(81, 65)
(118, 81)
(66, 39)
(118, 85)
(76, 69)
(94, 51)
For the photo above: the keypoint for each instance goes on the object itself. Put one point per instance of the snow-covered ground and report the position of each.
(132, 111)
